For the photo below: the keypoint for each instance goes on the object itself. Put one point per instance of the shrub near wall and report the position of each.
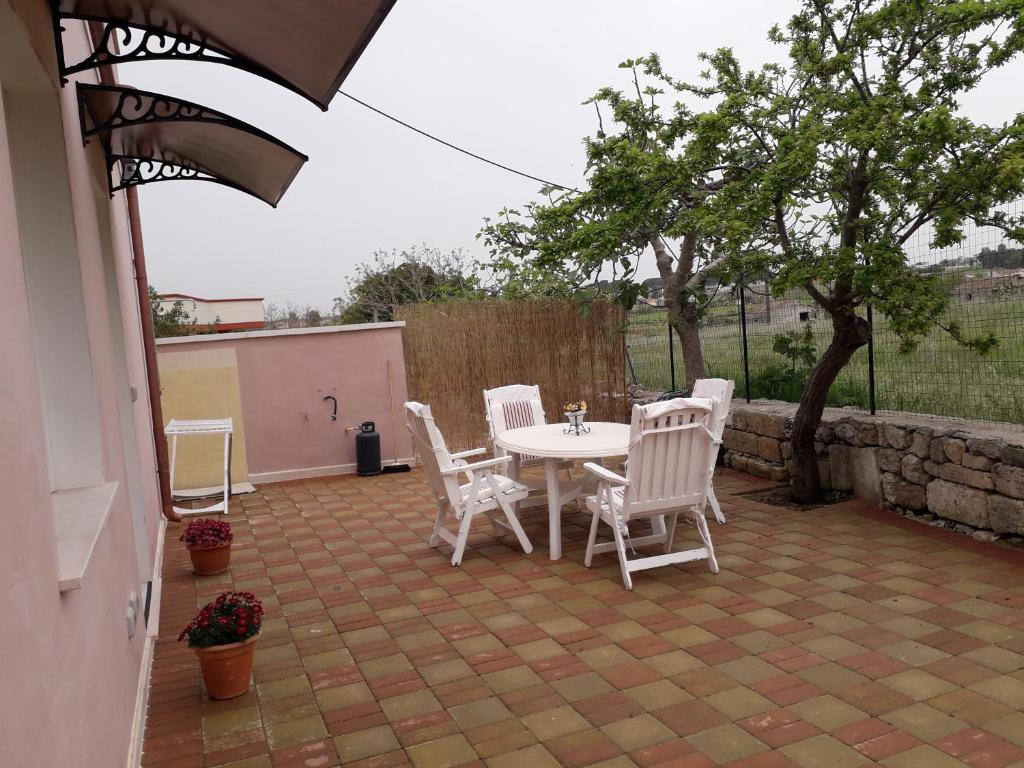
(965, 474)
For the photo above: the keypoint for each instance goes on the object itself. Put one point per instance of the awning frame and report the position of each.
(136, 170)
(155, 41)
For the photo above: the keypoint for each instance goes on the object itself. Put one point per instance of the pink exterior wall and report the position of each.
(283, 377)
(69, 670)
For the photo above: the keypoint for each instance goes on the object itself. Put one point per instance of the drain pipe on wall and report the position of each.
(149, 345)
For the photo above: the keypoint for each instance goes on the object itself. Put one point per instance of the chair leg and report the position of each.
(705, 535)
(715, 506)
(620, 546)
(670, 534)
(460, 544)
(435, 537)
(590, 542)
(516, 527)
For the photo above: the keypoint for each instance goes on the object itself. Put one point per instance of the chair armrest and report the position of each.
(470, 452)
(605, 474)
(485, 464)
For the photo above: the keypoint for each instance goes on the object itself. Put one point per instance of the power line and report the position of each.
(456, 148)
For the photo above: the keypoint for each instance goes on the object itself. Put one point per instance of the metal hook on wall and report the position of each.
(334, 411)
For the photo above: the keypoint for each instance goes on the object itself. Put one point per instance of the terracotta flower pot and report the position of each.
(227, 669)
(209, 561)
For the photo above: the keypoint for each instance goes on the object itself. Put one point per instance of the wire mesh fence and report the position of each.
(983, 277)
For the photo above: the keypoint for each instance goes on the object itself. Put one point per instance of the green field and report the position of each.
(939, 377)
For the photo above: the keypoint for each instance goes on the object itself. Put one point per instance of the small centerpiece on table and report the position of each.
(223, 635)
(576, 413)
(209, 545)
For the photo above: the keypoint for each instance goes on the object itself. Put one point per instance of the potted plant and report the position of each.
(209, 545)
(223, 635)
(576, 413)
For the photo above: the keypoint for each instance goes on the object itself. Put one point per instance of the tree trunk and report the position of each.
(685, 323)
(849, 333)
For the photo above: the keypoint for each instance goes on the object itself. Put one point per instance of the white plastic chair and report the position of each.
(720, 392)
(484, 494)
(515, 406)
(668, 473)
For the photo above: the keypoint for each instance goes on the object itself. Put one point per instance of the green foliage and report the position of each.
(173, 320)
(415, 275)
(797, 347)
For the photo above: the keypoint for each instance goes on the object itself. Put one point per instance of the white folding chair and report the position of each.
(515, 406)
(485, 493)
(720, 392)
(667, 473)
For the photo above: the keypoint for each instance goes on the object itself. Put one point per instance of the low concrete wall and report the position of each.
(282, 378)
(968, 473)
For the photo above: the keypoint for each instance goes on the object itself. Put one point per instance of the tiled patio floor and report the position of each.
(838, 637)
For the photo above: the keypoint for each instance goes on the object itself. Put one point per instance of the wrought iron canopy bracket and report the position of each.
(105, 110)
(158, 39)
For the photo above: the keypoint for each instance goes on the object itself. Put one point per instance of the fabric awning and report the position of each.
(309, 46)
(153, 137)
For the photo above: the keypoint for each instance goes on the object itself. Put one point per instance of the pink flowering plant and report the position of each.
(204, 533)
(231, 618)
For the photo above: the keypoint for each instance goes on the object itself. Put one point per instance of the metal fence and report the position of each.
(983, 277)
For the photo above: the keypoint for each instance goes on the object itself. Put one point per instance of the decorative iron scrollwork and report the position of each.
(155, 35)
(133, 107)
(134, 171)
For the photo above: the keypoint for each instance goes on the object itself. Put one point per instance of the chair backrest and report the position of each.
(433, 452)
(511, 407)
(670, 443)
(720, 391)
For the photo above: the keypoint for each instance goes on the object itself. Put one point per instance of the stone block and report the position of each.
(955, 473)
(954, 448)
(903, 494)
(888, 459)
(866, 478)
(1013, 454)
(745, 442)
(921, 444)
(897, 437)
(866, 432)
(935, 451)
(767, 424)
(1009, 480)
(768, 448)
(977, 461)
(931, 467)
(1006, 515)
(840, 467)
(825, 474)
(957, 502)
(739, 420)
(912, 469)
(986, 446)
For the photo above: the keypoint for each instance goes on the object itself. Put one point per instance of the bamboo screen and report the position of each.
(454, 351)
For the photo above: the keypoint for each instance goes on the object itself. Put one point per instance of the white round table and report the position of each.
(550, 442)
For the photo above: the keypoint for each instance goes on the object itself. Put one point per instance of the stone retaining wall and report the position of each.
(970, 474)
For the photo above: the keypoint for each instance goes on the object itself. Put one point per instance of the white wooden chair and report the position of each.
(720, 392)
(668, 472)
(485, 493)
(515, 406)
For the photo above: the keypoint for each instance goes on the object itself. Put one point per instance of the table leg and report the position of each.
(554, 510)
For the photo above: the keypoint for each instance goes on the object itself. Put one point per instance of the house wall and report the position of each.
(71, 350)
(283, 377)
(228, 312)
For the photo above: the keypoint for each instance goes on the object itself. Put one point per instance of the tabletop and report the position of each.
(550, 440)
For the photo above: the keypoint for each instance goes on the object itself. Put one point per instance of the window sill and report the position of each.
(80, 515)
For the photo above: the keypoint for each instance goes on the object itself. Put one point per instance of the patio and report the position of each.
(838, 637)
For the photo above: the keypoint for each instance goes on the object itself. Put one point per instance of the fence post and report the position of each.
(743, 333)
(671, 358)
(871, 362)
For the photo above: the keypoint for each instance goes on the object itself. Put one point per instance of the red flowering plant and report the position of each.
(204, 533)
(231, 618)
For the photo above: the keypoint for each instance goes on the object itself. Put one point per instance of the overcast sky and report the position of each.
(502, 78)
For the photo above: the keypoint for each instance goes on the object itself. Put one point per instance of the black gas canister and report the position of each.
(367, 450)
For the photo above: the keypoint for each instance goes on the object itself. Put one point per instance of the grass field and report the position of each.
(939, 377)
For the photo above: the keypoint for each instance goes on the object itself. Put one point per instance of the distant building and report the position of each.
(232, 314)
(982, 286)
